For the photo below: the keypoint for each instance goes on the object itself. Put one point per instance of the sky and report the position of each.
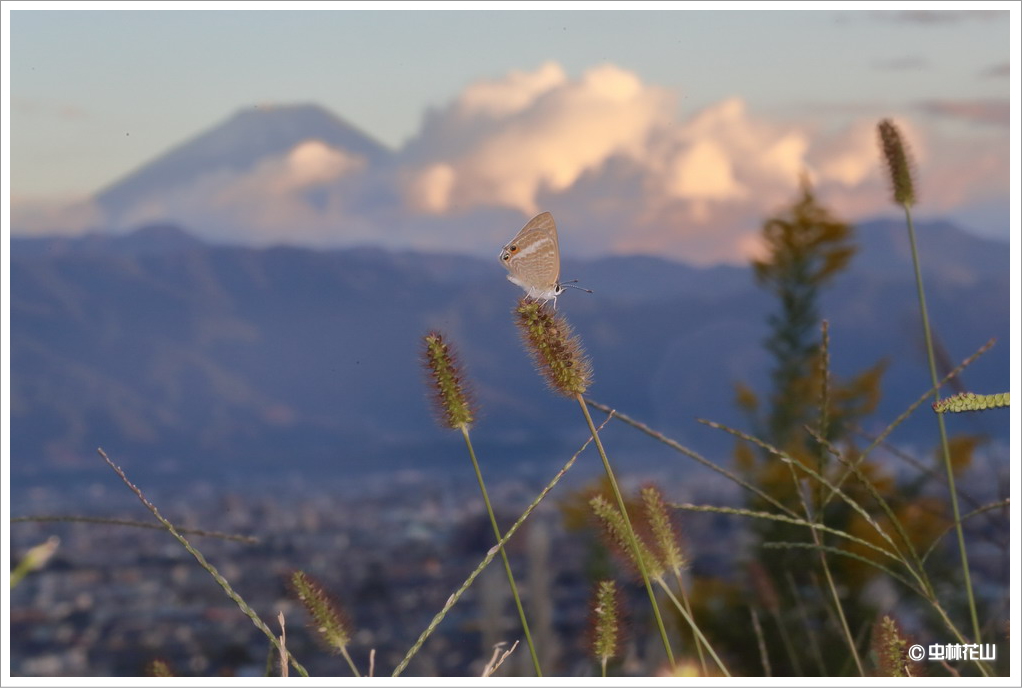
(680, 117)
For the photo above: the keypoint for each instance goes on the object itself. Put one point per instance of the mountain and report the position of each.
(156, 238)
(235, 146)
(183, 358)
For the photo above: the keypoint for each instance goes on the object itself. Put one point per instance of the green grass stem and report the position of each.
(453, 599)
(628, 527)
(503, 554)
(945, 448)
(221, 581)
(692, 624)
(134, 524)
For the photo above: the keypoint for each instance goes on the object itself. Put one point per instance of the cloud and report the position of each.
(308, 165)
(725, 154)
(990, 112)
(69, 216)
(513, 93)
(298, 190)
(556, 138)
(503, 142)
(609, 154)
(301, 196)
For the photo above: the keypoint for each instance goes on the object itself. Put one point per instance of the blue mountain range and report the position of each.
(184, 358)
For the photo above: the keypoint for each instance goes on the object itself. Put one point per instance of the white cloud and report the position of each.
(550, 132)
(429, 190)
(622, 172)
(620, 168)
(308, 165)
(553, 133)
(301, 196)
(39, 216)
(513, 93)
(703, 171)
(725, 154)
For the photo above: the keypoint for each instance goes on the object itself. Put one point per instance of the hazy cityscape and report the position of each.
(115, 597)
(391, 549)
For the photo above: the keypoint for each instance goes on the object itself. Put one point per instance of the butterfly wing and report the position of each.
(533, 256)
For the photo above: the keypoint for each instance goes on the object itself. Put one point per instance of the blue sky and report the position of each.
(96, 94)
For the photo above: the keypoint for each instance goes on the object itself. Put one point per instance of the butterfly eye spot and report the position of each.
(513, 248)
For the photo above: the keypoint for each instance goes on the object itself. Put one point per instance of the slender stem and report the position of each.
(271, 655)
(810, 633)
(688, 606)
(789, 647)
(695, 629)
(826, 570)
(943, 430)
(763, 656)
(880, 500)
(837, 604)
(660, 437)
(824, 403)
(134, 524)
(503, 554)
(986, 507)
(876, 442)
(347, 657)
(453, 599)
(221, 581)
(283, 646)
(797, 487)
(809, 471)
(628, 523)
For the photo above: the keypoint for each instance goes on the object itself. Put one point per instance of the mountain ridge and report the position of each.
(212, 358)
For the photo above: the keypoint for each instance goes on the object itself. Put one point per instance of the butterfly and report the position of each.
(533, 259)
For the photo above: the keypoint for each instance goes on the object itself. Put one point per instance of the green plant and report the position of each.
(455, 412)
(329, 622)
(559, 357)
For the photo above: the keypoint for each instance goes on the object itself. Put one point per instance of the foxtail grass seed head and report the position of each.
(37, 557)
(891, 649)
(899, 163)
(970, 401)
(34, 559)
(556, 352)
(454, 408)
(616, 531)
(664, 534)
(606, 622)
(328, 619)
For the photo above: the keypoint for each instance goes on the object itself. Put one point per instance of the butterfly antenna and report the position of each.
(572, 285)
